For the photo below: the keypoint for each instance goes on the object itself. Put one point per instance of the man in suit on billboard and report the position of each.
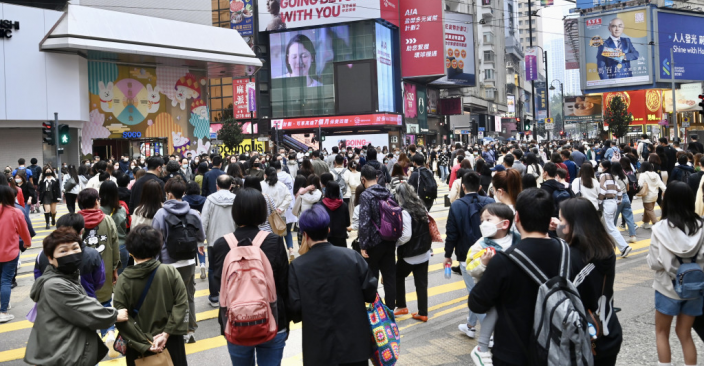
(614, 56)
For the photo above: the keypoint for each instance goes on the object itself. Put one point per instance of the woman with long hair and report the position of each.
(202, 170)
(413, 251)
(49, 194)
(25, 189)
(586, 185)
(507, 185)
(610, 196)
(256, 168)
(624, 208)
(149, 204)
(254, 183)
(111, 206)
(71, 181)
(352, 179)
(277, 191)
(404, 162)
(649, 177)
(533, 168)
(234, 170)
(306, 168)
(83, 175)
(677, 238)
(581, 228)
(397, 177)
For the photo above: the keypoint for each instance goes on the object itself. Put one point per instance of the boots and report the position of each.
(53, 219)
(47, 217)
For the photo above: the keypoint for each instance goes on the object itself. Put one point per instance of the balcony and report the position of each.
(514, 47)
(487, 12)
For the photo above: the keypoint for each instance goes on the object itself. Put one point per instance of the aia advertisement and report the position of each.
(243, 98)
(459, 50)
(422, 42)
(644, 105)
(338, 121)
(279, 15)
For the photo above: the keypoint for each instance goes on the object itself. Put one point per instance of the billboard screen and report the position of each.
(616, 51)
(278, 15)
(582, 109)
(355, 87)
(242, 16)
(384, 69)
(338, 121)
(451, 106)
(459, 51)
(422, 38)
(645, 105)
(684, 35)
(409, 100)
(571, 44)
(433, 95)
(687, 97)
(355, 141)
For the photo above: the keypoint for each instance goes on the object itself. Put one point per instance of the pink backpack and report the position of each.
(248, 292)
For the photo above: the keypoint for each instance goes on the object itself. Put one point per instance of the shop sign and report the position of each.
(541, 102)
(644, 105)
(7, 26)
(422, 38)
(338, 121)
(459, 51)
(278, 15)
(244, 98)
(242, 16)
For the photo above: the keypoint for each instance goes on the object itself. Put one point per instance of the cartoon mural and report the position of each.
(161, 102)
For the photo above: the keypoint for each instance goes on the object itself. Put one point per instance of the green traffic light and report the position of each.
(64, 137)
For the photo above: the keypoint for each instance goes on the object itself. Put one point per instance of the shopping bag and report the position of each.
(385, 334)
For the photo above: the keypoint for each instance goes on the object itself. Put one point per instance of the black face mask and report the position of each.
(69, 264)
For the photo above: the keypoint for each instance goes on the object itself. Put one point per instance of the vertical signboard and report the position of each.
(251, 97)
(409, 100)
(571, 44)
(422, 109)
(459, 50)
(384, 69)
(422, 38)
(511, 103)
(242, 16)
(433, 95)
(541, 100)
(531, 63)
(242, 104)
(683, 34)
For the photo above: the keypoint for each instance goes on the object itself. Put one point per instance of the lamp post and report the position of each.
(562, 100)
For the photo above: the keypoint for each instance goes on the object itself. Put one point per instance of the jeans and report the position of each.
(7, 272)
(289, 237)
(627, 213)
(187, 275)
(469, 282)
(124, 259)
(443, 172)
(269, 353)
(382, 258)
(103, 332)
(201, 259)
(610, 207)
(420, 278)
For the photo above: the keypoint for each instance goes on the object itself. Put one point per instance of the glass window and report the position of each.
(488, 74)
(520, 22)
(488, 56)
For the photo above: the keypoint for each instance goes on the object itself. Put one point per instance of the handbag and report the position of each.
(434, 231)
(296, 210)
(447, 200)
(385, 334)
(643, 190)
(277, 224)
(162, 359)
(120, 346)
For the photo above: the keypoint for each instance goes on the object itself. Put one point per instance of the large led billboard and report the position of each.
(582, 109)
(279, 15)
(683, 35)
(615, 50)
(385, 69)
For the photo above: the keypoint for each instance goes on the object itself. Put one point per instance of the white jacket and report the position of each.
(666, 244)
(279, 193)
(654, 183)
(310, 198)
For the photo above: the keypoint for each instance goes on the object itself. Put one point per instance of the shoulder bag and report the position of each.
(277, 224)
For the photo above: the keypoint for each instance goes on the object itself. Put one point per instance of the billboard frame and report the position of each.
(583, 53)
(656, 29)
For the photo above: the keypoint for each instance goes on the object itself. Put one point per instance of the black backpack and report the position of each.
(182, 239)
(427, 187)
(645, 152)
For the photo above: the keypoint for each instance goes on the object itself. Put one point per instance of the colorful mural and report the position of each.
(161, 102)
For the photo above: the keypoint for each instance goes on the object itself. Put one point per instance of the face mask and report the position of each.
(69, 264)
(131, 167)
(350, 155)
(257, 165)
(560, 232)
(87, 164)
(357, 160)
(18, 181)
(488, 229)
(196, 160)
(49, 174)
(185, 166)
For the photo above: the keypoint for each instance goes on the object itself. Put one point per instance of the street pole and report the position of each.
(674, 100)
(530, 40)
(545, 60)
(57, 144)
(562, 100)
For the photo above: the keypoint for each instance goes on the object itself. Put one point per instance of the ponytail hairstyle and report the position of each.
(510, 182)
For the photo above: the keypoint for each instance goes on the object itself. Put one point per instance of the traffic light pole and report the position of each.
(57, 146)
(674, 99)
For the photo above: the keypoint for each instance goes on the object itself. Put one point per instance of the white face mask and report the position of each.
(18, 181)
(488, 229)
(185, 166)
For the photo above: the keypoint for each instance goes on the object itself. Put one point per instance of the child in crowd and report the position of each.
(497, 219)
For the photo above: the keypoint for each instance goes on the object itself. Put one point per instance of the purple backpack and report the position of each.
(391, 217)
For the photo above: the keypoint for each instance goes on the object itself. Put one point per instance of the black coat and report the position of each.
(328, 287)
(339, 220)
(54, 187)
(137, 190)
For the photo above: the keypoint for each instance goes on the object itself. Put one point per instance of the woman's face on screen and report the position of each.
(299, 59)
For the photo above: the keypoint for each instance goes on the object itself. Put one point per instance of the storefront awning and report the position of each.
(111, 36)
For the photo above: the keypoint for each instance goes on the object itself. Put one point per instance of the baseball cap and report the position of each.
(498, 168)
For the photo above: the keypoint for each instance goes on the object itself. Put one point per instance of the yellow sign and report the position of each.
(548, 120)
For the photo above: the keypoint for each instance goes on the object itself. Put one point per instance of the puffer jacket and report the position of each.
(654, 183)
(668, 243)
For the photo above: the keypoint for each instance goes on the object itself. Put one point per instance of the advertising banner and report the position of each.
(582, 109)
(278, 15)
(243, 100)
(355, 141)
(687, 97)
(644, 105)
(451, 106)
(511, 103)
(242, 16)
(531, 63)
(384, 69)
(616, 51)
(683, 33)
(422, 109)
(571, 44)
(459, 51)
(338, 121)
(409, 100)
(433, 95)
(422, 38)
(541, 100)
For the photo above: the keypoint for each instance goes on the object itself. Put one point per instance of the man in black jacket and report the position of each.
(696, 178)
(371, 160)
(550, 184)
(671, 155)
(154, 169)
(211, 177)
(414, 180)
(507, 287)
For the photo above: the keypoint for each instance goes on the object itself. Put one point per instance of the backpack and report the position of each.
(560, 195)
(616, 156)
(340, 180)
(689, 282)
(248, 292)
(632, 182)
(685, 176)
(427, 187)
(391, 220)
(645, 152)
(182, 238)
(560, 330)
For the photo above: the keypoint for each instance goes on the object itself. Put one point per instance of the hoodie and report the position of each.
(92, 217)
(679, 173)
(292, 168)
(668, 243)
(175, 208)
(216, 216)
(370, 215)
(196, 201)
(551, 186)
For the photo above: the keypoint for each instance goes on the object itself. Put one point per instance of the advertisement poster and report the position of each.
(241, 16)
(582, 109)
(422, 108)
(685, 36)
(433, 96)
(384, 69)
(531, 63)
(541, 100)
(279, 15)
(459, 51)
(422, 38)
(241, 100)
(687, 97)
(338, 121)
(645, 105)
(355, 141)
(616, 49)
(571, 44)
(511, 103)
(409, 100)
(303, 57)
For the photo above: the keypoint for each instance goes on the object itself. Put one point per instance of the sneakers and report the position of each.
(214, 304)
(202, 273)
(419, 317)
(110, 342)
(481, 358)
(647, 226)
(400, 311)
(491, 341)
(6, 317)
(622, 227)
(471, 332)
(632, 239)
(626, 251)
(189, 338)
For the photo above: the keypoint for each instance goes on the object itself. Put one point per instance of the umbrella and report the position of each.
(488, 139)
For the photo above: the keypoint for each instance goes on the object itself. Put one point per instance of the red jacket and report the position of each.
(12, 226)
(453, 174)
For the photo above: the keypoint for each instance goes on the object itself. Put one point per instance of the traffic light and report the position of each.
(322, 136)
(562, 133)
(64, 137)
(526, 125)
(701, 102)
(48, 131)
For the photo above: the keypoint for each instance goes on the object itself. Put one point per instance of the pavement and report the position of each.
(436, 342)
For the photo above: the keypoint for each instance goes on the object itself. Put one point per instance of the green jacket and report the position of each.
(105, 240)
(165, 309)
(120, 219)
(64, 332)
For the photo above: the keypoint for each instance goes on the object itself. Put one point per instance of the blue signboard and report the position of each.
(685, 36)
(241, 16)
